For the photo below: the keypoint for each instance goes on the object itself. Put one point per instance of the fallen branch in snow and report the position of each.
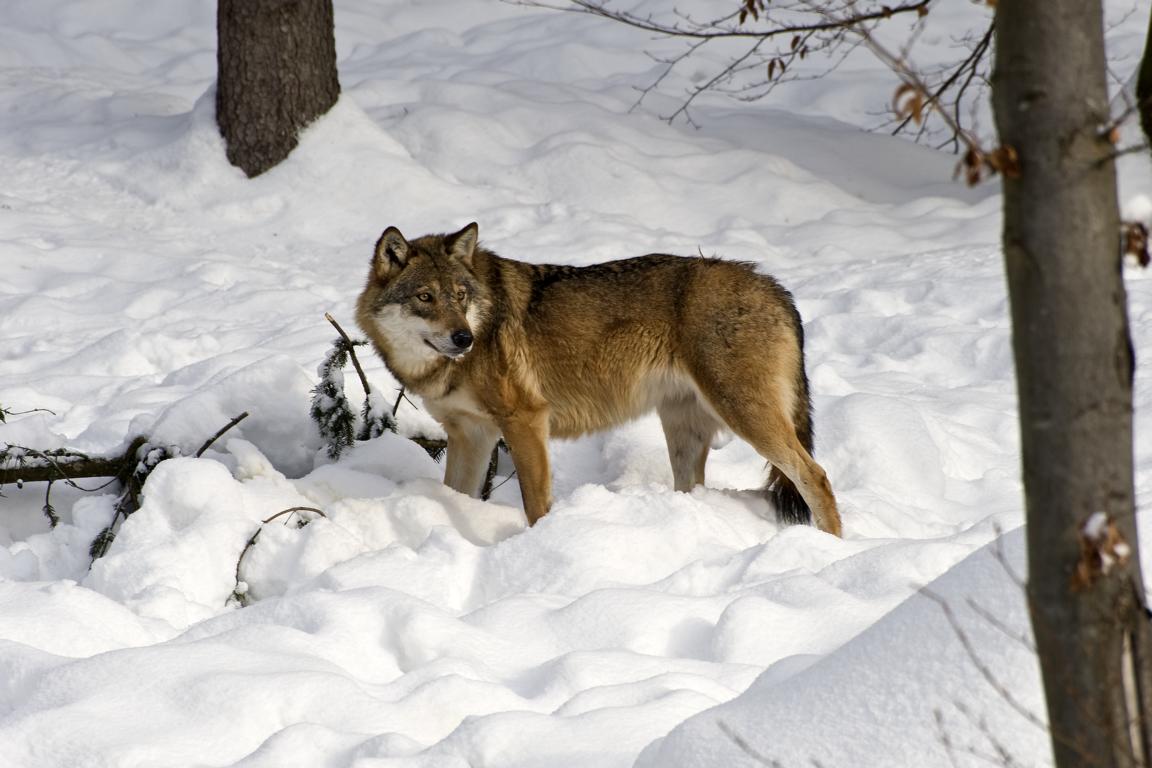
(148, 458)
(20, 464)
(240, 592)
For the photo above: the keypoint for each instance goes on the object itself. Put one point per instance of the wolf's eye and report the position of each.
(461, 295)
(424, 297)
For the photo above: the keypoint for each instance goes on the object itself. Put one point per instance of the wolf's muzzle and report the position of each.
(462, 339)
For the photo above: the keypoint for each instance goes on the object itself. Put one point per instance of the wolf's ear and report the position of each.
(463, 244)
(391, 253)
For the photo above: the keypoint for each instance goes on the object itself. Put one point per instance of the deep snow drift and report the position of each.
(147, 287)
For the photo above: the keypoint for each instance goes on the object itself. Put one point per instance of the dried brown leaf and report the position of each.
(1136, 242)
(973, 166)
(1005, 161)
(908, 102)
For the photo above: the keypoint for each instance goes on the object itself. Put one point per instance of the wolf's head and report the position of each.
(423, 300)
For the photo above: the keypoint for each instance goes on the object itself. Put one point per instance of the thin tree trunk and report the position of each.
(277, 73)
(1074, 378)
(1144, 86)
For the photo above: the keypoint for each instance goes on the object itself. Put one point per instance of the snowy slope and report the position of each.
(147, 287)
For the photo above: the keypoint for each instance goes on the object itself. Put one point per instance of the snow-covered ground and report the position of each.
(147, 287)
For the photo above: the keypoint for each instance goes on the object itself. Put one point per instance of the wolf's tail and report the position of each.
(791, 509)
(790, 505)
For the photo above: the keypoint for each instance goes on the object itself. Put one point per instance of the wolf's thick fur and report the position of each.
(501, 347)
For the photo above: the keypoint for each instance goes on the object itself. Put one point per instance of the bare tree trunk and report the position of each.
(1144, 86)
(1074, 376)
(277, 73)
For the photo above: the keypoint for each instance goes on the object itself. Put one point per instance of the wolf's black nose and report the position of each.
(462, 338)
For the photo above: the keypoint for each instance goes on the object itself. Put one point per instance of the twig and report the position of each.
(401, 397)
(912, 79)
(493, 490)
(970, 66)
(646, 24)
(48, 509)
(707, 86)
(133, 473)
(225, 428)
(352, 352)
(486, 487)
(828, 30)
(238, 594)
(9, 412)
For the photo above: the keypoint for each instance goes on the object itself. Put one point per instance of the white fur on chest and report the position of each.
(458, 405)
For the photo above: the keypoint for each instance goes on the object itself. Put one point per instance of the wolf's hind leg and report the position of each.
(688, 431)
(775, 439)
(767, 427)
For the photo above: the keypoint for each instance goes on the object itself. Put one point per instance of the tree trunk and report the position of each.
(277, 73)
(1144, 86)
(1074, 378)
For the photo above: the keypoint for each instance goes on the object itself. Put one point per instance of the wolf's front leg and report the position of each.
(526, 433)
(470, 445)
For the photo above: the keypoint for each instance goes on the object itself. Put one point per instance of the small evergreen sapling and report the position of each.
(330, 410)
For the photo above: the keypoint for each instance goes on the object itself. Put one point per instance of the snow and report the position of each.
(148, 288)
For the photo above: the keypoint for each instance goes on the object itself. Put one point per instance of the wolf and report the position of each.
(497, 347)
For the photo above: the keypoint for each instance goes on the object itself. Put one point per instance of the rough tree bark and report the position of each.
(1074, 366)
(277, 73)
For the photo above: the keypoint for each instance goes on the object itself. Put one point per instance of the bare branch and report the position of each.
(221, 431)
(351, 351)
(724, 73)
(647, 24)
(56, 464)
(240, 592)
